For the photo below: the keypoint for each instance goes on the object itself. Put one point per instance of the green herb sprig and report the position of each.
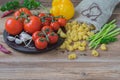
(15, 4)
(108, 40)
(11, 5)
(31, 4)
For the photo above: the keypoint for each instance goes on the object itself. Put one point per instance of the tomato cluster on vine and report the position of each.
(41, 27)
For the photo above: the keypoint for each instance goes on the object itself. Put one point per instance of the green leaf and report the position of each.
(11, 5)
(108, 40)
(3, 8)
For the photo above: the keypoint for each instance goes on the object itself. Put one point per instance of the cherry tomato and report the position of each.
(55, 25)
(41, 15)
(33, 25)
(22, 10)
(49, 17)
(47, 29)
(53, 38)
(41, 43)
(13, 26)
(45, 23)
(62, 22)
(37, 34)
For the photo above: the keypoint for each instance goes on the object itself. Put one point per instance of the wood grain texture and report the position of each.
(54, 65)
(59, 71)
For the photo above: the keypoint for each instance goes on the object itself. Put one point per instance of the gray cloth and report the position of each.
(96, 12)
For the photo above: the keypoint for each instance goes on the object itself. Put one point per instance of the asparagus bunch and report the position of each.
(106, 35)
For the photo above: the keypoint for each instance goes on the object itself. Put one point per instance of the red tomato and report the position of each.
(41, 15)
(46, 23)
(22, 10)
(37, 34)
(55, 25)
(62, 22)
(33, 25)
(13, 26)
(41, 43)
(47, 29)
(53, 38)
(49, 17)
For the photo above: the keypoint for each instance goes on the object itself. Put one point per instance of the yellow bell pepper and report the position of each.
(64, 8)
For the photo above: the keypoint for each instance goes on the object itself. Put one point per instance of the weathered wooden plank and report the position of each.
(59, 71)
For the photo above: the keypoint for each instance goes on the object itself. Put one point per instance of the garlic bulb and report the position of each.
(11, 38)
(18, 41)
(25, 36)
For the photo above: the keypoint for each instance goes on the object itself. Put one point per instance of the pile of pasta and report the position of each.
(77, 35)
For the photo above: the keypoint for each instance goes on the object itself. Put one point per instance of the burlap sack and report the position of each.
(96, 12)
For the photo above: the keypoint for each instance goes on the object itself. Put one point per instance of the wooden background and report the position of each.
(54, 65)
